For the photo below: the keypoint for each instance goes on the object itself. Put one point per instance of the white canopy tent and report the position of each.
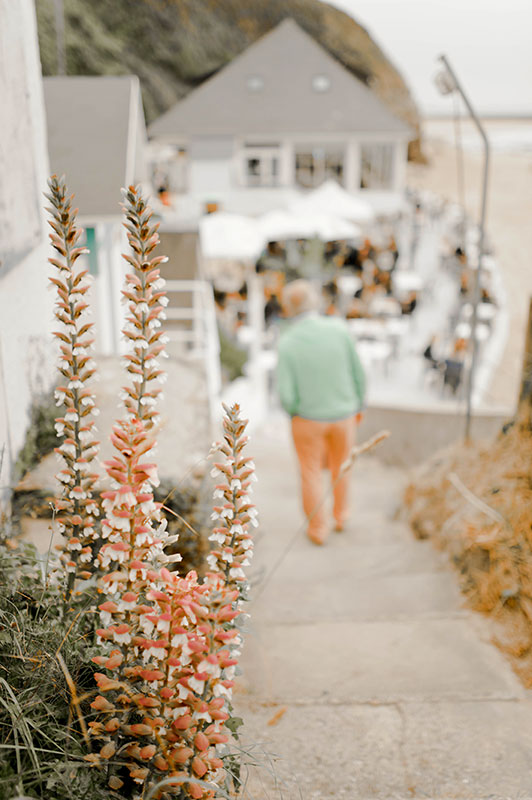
(330, 198)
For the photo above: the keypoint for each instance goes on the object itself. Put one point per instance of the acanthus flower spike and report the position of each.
(233, 512)
(77, 508)
(146, 301)
(166, 709)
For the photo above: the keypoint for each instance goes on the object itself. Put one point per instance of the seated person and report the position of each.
(272, 309)
(452, 376)
(331, 250)
(392, 248)
(384, 279)
(358, 308)
(330, 294)
(486, 297)
(352, 259)
(428, 354)
(164, 195)
(408, 306)
(454, 366)
(272, 258)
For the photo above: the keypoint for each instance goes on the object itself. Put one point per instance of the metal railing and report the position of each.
(199, 338)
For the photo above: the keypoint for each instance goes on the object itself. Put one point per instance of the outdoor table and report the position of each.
(407, 281)
(245, 334)
(463, 331)
(367, 328)
(466, 311)
(486, 312)
(349, 284)
(385, 306)
(482, 332)
(374, 353)
(396, 326)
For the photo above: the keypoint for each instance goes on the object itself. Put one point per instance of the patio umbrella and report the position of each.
(224, 235)
(331, 198)
(280, 225)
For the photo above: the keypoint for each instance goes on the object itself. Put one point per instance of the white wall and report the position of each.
(209, 176)
(212, 165)
(26, 352)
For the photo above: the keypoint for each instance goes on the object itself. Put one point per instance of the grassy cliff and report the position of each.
(173, 45)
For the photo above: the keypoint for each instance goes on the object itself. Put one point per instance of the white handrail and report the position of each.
(202, 336)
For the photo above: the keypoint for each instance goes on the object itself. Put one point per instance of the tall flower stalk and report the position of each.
(234, 511)
(77, 507)
(134, 529)
(172, 644)
(146, 301)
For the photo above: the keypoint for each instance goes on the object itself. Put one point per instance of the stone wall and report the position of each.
(418, 433)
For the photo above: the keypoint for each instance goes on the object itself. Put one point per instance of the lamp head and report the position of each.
(444, 81)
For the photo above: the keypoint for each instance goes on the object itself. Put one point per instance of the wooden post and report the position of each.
(524, 411)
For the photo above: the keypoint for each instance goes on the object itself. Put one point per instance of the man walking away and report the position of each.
(321, 385)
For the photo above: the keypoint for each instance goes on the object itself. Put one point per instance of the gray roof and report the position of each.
(286, 60)
(96, 137)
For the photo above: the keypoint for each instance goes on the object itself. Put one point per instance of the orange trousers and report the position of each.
(320, 444)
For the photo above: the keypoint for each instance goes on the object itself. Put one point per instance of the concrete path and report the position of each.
(364, 677)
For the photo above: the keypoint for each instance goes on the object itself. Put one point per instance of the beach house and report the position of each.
(97, 138)
(26, 307)
(281, 118)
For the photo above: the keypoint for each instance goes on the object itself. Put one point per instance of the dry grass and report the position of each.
(475, 502)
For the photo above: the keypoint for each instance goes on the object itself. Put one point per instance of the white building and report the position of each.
(97, 139)
(283, 116)
(26, 305)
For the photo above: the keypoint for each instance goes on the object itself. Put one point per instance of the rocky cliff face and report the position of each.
(173, 45)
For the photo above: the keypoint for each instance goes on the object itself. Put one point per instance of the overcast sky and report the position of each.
(488, 43)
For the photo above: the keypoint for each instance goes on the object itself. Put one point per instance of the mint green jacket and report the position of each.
(319, 373)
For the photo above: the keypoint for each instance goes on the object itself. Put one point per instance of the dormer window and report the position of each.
(321, 83)
(255, 83)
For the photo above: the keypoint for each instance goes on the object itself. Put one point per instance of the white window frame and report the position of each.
(269, 162)
(320, 153)
(377, 165)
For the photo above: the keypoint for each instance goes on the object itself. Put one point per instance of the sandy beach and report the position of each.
(509, 223)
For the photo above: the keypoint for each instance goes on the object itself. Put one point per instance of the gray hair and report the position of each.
(299, 297)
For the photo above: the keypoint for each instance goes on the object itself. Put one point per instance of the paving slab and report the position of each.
(441, 751)
(360, 753)
(375, 661)
(357, 596)
(342, 556)
(469, 749)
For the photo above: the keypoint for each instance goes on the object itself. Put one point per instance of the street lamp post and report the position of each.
(447, 82)
(60, 37)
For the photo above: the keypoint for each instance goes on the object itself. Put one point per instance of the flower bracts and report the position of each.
(163, 704)
(77, 509)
